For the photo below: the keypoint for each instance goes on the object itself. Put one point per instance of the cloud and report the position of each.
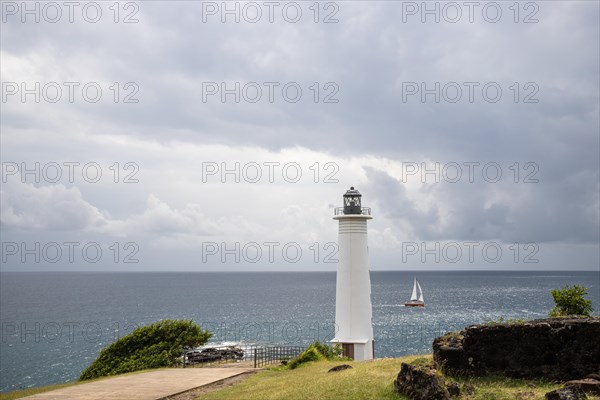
(363, 62)
(47, 208)
(490, 211)
(26, 207)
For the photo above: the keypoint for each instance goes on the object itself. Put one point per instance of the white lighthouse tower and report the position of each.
(353, 311)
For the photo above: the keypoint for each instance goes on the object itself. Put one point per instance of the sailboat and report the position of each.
(416, 298)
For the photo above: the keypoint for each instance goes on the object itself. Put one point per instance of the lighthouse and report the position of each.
(353, 311)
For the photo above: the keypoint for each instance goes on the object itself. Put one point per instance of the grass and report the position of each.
(502, 388)
(30, 392)
(509, 321)
(366, 380)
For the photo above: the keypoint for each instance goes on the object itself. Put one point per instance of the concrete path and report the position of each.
(153, 385)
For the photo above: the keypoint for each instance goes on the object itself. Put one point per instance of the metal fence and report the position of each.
(275, 354)
(256, 354)
(212, 355)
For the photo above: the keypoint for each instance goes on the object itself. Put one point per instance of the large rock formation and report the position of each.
(420, 383)
(557, 349)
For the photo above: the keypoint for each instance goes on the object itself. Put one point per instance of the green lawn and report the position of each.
(30, 392)
(367, 380)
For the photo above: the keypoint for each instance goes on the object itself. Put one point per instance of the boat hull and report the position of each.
(414, 304)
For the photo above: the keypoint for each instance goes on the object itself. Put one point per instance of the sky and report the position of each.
(220, 136)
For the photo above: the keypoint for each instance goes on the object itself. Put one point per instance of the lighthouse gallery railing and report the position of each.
(364, 211)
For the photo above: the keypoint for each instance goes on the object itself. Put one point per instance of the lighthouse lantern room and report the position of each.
(353, 310)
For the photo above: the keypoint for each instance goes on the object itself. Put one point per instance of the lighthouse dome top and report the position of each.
(352, 204)
(352, 192)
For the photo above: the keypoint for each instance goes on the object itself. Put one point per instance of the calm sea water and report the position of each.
(54, 324)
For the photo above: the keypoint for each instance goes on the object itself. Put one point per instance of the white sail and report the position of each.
(414, 295)
(420, 291)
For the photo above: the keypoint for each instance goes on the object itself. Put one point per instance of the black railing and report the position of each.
(256, 354)
(363, 211)
(275, 354)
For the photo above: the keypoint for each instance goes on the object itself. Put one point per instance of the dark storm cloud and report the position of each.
(566, 210)
(368, 54)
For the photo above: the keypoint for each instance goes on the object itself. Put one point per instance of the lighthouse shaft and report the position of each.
(353, 310)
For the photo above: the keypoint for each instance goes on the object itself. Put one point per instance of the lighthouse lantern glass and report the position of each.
(352, 202)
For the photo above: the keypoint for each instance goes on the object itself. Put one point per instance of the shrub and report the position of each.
(152, 346)
(329, 352)
(308, 355)
(570, 300)
(315, 352)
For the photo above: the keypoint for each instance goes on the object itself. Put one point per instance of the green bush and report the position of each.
(570, 300)
(308, 355)
(315, 352)
(152, 346)
(329, 352)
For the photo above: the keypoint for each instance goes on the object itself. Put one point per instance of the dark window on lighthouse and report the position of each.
(352, 202)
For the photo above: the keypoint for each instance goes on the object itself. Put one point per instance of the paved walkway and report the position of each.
(153, 385)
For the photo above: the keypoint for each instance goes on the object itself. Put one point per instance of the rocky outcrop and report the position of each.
(556, 349)
(566, 394)
(420, 383)
(589, 386)
(211, 354)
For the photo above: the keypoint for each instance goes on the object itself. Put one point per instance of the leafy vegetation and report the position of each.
(315, 352)
(153, 346)
(570, 300)
(308, 355)
(329, 352)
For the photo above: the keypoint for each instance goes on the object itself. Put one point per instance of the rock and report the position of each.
(453, 389)
(589, 386)
(468, 388)
(340, 368)
(211, 354)
(570, 393)
(420, 383)
(554, 349)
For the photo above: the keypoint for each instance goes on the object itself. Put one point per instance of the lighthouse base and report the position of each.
(359, 350)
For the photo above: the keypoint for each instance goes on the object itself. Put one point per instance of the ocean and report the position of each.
(54, 324)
